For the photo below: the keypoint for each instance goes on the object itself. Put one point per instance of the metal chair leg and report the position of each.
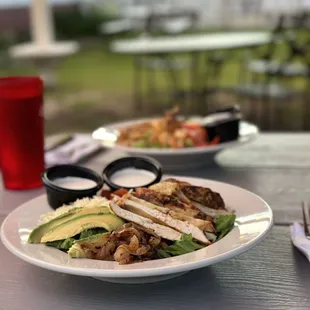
(173, 79)
(151, 84)
(137, 95)
(306, 106)
(268, 101)
(194, 80)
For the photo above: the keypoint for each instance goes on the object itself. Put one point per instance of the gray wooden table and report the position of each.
(273, 275)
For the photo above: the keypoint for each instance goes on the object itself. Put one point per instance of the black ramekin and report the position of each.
(58, 196)
(226, 129)
(141, 162)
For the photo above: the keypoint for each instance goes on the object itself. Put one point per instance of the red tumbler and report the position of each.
(21, 132)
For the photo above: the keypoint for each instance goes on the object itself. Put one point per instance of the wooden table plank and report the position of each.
(11, 199)
(273, 275)
(270, 150)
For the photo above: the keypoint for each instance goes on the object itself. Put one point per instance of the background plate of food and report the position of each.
(145, 235)
(178, 142)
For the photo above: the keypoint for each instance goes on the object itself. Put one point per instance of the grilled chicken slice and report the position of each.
(170, 202)
(170, 188)
(204, 225)
(141, 208)
(209, 202)
(202, 195)
(159, 230)
(211, 212)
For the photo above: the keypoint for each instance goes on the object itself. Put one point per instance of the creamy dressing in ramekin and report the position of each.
(131, 177)
(76, 183)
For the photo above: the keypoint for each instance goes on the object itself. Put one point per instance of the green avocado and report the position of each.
(76, 250)
(36, 235)
(78, 224)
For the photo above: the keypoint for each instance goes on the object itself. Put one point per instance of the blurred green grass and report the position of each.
(96, 68)
(95, 87)
(99, 69)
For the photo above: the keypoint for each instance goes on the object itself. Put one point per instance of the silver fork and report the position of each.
(305, 206)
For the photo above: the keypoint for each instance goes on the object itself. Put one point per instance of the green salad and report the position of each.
(168, 219)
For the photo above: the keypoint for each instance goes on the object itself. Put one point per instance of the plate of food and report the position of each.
(147, 234)
(178, 142)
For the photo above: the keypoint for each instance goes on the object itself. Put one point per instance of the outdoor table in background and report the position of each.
(44, 51)
(273, 275)
(195, 44)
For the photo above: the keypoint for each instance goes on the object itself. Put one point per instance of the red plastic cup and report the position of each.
(21, 132)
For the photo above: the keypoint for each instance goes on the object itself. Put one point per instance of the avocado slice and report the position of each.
(76, 225)
(36, 235)
(76, 250)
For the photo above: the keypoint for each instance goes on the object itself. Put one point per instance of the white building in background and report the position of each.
(214, 13)
(228, 13)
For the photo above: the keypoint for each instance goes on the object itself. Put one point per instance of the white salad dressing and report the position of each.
(132, 177)
(74, 183)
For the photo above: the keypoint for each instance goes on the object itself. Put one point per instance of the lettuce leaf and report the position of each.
(63, 245)
(224, 224)
(183, 246)
(140, 143)
(90, 232)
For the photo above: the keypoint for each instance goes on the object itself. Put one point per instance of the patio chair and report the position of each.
(270, 75)
(270, 69)
(115, 27)
(131, 17)
(170, 23)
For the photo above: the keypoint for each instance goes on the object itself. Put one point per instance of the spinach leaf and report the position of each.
(224, 224)
(55, 244)
(67, 244)
(183, 246)
(90, 232)
(162, 254)
(63, 245)
(140, 143)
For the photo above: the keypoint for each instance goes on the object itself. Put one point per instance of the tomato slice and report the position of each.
(197, 134)
(106, 194)
(120, 192)
(216, 140)
(191, 126)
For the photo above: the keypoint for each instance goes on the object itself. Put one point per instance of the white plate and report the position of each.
(186, 158)
(254, 220)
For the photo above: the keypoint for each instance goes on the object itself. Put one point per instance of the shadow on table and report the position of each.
(90, 291)
(220, 173)
(301, 264)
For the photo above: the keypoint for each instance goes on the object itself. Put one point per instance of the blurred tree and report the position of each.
(79, 23)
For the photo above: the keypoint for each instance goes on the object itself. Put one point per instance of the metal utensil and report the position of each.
(55, 141)
(305, 207)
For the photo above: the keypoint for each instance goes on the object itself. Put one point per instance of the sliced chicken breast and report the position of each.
(204, 225)
(171, 189)
(160, 230)
(209, 211)
(203, 195)
(161, 218)
(170, 202)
